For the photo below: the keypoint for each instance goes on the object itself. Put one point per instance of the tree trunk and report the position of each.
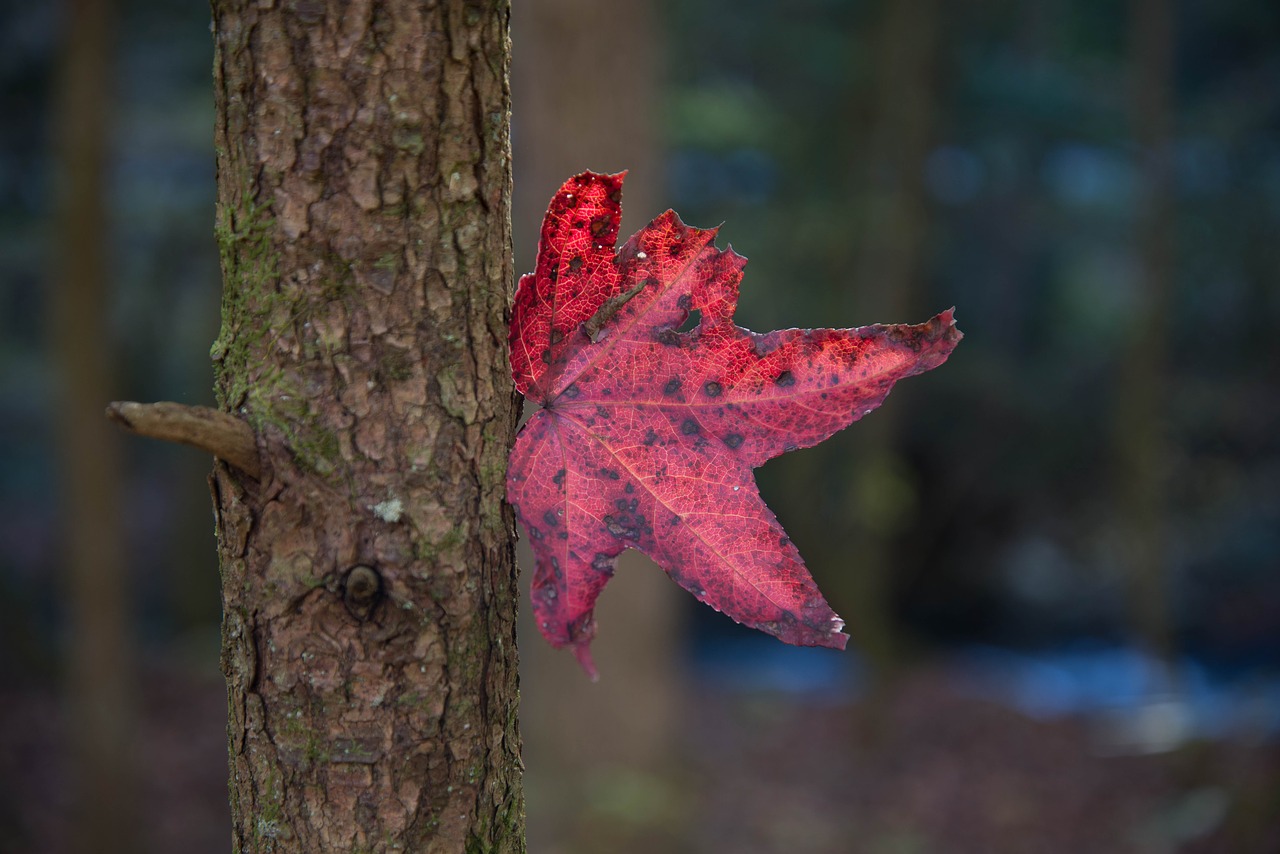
(881, 496)
(1141, 442)
(368, 586)
(100, 672)
(579, 735)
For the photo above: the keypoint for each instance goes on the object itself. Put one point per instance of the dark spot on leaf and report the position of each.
(546, 356)
(550, 518)
(602, 563)
(782, 541)
(556, 336)
(675, 520)
(712, 389)
(562, 535)
(786, 378)
(554, 274)
(667, 336)
(558, 479)
(602, 412)
(733, 440)
(620, 503)
(535, 532)
(672, 386)
(609, 473)
(650, 437)
(546, 591)
(575, 264)
(623, 526)
(629, 488)
(571, 392)
(763, 346)
(685, 302)
(689, 427)
(599, 224)
(616, 197)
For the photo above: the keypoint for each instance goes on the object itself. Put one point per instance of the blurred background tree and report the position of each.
(1095, 186)
(592, 102)
(100, 656)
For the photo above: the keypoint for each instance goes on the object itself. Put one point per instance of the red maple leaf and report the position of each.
(647, 435)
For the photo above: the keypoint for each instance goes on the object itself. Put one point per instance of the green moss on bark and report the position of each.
(250, 270)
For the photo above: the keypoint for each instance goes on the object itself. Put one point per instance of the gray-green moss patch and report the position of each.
(250, 269)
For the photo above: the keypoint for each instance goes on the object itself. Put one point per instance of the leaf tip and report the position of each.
(582, 652)
(933, 340)
(948, 320)
(590, 176)
(835, 636)
(839, 640)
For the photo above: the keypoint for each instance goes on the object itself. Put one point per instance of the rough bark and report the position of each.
(368, 585)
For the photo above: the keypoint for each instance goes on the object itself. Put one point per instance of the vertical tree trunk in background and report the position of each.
(881, 498)
(1140, 439)
(586, 85)
(368, 582)
(586, 88)
(100, 683)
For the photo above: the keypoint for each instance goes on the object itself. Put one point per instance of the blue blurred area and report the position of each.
(758, 664)
(1083, 679)
(1020, 166)
(163, 279)
(1088, 679)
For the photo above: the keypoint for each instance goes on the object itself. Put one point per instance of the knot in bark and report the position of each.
(360, 591)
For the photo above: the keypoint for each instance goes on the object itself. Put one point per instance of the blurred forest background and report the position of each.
(1059, 554)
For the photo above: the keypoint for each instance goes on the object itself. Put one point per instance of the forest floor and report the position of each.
(926, 769)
